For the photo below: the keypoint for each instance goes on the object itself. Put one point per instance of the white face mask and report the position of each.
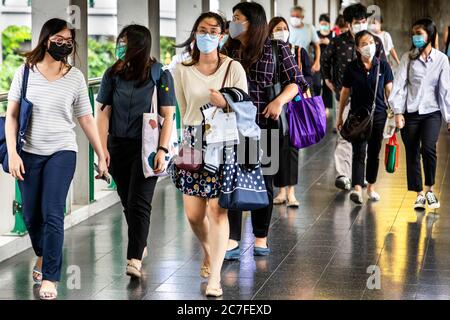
(281, 35)
(296, 22)
(359, 27)
(369, 50)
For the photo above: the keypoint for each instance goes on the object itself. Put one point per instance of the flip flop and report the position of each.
(37, 275)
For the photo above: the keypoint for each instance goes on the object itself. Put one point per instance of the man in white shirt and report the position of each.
(303, 34)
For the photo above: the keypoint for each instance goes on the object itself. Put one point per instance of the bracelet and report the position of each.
(163, 149)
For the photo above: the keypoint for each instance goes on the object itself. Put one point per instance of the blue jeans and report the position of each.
(44, 191)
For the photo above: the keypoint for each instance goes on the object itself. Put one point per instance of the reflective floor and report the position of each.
(320, 251)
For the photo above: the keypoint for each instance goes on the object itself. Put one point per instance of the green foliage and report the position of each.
(12, 39)
(101, 55)
(167, 46)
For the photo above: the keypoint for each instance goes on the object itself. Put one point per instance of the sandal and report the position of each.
(37, 275)
(133, 270)
(214, 292)
(279, 200)
(49, 293)
(205, 271)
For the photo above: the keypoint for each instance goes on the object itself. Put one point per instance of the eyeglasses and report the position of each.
(212, 33)
(60, 41)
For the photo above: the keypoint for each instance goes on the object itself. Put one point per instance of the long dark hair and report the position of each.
(258, 31)
(138, 60)
(195, 52)
(49, 29)
(430, 28)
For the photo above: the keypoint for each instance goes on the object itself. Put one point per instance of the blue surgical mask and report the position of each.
(419, 40)
(206, 43)
(324, 27)
(224, 41)
(121, 51)
(236, 29)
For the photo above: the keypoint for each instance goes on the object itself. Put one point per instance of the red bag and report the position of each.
(391, 154)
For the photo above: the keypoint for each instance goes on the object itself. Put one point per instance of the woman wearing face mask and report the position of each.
(197, 83)
(287, 176)
(420, 99)
(325, 36)
(360, 79)
(385, 37)
(46, 165)
(251, 44)
(124, 96)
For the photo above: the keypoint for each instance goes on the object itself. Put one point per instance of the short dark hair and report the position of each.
(324, 17)
(356, 12)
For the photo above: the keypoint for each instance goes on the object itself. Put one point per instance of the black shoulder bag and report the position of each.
(358, 126)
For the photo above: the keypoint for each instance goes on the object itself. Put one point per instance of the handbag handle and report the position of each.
(299, 58)
(226, 74)
(26, 73)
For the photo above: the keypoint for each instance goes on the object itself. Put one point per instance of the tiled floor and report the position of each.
(320, 251)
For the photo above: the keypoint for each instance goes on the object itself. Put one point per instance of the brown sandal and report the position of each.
(133, 270)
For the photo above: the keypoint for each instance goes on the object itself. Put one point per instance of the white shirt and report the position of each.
(386, 39)
(192, 87)
(55, 104)
(429, 85)
(304, 36)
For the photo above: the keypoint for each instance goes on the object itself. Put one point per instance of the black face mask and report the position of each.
(59, 52)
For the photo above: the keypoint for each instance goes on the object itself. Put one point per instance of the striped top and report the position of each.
(55, 104)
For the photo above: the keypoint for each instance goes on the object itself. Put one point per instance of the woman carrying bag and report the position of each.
(369, 80)
(251, 44)
(287, 176)
(197, 82)
(125, 96)
(46, 164)
(420, 99)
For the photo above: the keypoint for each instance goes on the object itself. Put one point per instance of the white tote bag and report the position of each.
(152, 123)
(220, 127)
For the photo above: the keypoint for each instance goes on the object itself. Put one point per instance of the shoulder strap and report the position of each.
(26, 73)
(299, 58)
(226, 74)
(275, 61)
(376, 87)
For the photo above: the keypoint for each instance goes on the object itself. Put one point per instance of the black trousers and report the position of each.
(370, 150)
(420, 136)
(288, 172)
(260, 218)
(135, 191)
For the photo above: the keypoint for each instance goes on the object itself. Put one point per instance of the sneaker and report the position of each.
(373, 196)
(344, 183)
(433, 202)
(421, 202)
(356, 197)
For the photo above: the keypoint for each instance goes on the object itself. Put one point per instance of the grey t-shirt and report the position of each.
(55, 104)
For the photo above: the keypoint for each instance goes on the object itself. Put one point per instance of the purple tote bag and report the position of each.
(307, 120)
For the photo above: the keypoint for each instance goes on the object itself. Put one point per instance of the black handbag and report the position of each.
(359, 123)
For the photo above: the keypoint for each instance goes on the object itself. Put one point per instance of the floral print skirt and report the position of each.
(200, 184)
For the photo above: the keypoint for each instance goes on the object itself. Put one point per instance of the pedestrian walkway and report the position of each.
(320, 251)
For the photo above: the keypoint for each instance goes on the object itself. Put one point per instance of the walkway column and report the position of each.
(143, 12)
(74, 11)
(81, 180)
(186, 14)
(283, 8)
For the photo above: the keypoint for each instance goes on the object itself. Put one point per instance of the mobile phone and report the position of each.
(106, 177)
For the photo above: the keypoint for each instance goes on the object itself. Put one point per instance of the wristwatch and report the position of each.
(163, 149)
